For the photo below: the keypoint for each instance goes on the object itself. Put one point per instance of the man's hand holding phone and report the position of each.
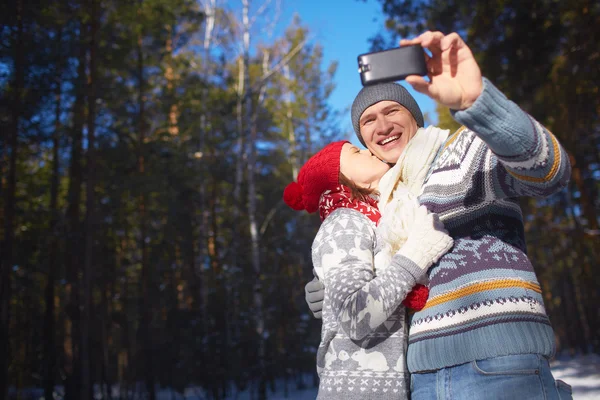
(455, 79)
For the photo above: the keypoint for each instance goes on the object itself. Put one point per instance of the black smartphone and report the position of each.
(391, 65)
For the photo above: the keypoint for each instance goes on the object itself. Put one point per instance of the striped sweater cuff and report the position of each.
(406, 264)
(501, 124)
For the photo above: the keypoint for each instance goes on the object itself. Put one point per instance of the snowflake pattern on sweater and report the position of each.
(485, 300)
(363, 338)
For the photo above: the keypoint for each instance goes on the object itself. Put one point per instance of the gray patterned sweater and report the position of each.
(485, 300)
(363, 338)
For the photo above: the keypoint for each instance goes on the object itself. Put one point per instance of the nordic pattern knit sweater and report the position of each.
(362, 354)
(485, 300)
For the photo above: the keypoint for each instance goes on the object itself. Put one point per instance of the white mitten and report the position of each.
(427, 239)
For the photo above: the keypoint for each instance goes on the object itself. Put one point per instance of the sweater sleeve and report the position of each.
(343, 255)
(530, 161)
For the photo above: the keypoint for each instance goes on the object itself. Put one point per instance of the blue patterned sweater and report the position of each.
(485, 300)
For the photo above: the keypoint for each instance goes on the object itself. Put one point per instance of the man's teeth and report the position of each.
(390, 139)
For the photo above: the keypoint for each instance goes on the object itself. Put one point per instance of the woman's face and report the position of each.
(363, 168)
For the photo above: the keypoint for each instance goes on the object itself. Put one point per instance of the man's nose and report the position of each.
(383, 126)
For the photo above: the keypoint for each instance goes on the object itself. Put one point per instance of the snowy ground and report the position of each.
(581, 372)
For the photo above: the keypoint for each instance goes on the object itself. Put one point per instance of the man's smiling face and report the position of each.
(386, 127)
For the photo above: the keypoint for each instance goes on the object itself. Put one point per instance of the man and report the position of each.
(484, 332)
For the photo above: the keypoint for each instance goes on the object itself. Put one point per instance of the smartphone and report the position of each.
(391, 65)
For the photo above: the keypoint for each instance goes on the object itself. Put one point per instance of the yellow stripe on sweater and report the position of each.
(481, 287)
(553, 171)
(453, 137)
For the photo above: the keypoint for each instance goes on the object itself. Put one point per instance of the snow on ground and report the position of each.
(581, 372)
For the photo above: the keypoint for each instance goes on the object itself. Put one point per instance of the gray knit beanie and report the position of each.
(370, 95)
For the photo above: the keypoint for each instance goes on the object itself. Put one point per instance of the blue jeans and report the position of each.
(517, 377)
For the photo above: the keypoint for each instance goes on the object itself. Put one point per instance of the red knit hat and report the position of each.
(320, 173)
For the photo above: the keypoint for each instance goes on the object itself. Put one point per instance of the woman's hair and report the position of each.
(358, 192)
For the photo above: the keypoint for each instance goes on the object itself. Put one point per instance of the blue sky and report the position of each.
(344, 27)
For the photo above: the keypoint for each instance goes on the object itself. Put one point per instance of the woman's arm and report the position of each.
(343, 252)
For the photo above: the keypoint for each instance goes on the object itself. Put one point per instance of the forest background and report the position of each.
(144, 148)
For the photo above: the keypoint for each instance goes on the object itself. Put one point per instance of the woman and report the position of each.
(363, 339)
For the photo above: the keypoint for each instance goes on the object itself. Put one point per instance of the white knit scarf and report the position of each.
(400, 187)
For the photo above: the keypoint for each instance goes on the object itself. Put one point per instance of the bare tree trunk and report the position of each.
(219, 347)
(53, 243)
(173, 114)
(255, 237)
(124, 354)
(145, 301)
(209, 7)
(75, 247)
(290, 124)
(104, 335)
(244, 101)
(9, 205)
(584, 334)
(239, 169)
(90, 199)
(242, 107)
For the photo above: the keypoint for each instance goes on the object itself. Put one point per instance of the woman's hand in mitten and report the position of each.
(427, 239)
